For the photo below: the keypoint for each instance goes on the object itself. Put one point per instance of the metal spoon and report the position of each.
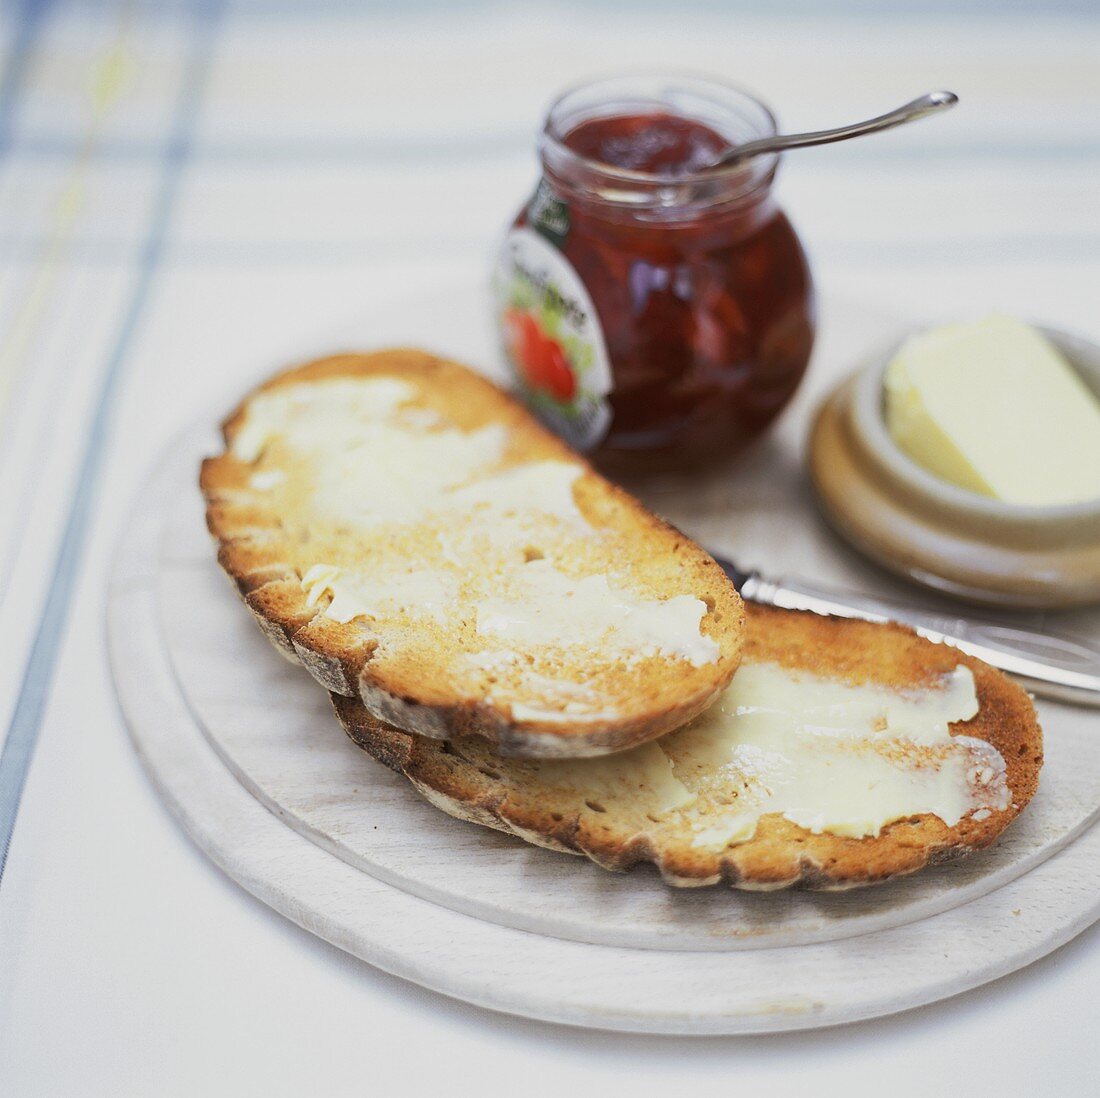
(918, 108)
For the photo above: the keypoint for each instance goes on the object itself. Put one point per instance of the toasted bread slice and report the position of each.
(704, 813)
(415, 538)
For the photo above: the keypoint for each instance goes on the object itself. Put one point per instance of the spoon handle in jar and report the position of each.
(918, 108)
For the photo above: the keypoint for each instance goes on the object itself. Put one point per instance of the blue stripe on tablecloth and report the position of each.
(947, 250)
(851, 9)
(397, 149)
(13, 74)
(27, 716)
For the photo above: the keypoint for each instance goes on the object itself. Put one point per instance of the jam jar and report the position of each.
(654, 314)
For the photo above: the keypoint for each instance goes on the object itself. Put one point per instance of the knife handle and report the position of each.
(1049, 664)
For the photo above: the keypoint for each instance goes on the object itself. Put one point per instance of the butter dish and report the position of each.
(940, 535)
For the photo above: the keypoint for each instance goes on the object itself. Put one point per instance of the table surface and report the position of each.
(185, 188)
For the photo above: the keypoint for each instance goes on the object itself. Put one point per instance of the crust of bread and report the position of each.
(267, 569)
(461, 778)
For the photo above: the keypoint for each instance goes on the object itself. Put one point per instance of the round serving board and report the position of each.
(246, 751)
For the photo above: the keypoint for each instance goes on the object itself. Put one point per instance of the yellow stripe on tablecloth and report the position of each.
(110, 78)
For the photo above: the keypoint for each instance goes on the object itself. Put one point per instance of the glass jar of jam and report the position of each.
(654, 314)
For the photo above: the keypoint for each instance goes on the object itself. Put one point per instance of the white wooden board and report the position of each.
(348, 850)
(275, 730)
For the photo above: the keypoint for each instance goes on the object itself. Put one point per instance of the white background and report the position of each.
(184, 190)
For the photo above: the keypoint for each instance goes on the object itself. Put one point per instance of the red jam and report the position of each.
(701, 293)
(659, 142)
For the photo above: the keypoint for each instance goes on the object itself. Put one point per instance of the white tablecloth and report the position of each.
(185, 188)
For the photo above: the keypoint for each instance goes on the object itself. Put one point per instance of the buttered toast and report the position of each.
(421, 544)
(843, 753)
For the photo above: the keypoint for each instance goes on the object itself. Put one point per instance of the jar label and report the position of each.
(549, 214)
(552, 339)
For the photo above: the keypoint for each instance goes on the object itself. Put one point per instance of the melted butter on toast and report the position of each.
(827, 755)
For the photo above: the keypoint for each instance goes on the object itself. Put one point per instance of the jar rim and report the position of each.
(676, 92)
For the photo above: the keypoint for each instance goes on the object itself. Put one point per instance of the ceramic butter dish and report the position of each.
(939, 534)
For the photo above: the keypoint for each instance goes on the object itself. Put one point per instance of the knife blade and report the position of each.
(1050, 665)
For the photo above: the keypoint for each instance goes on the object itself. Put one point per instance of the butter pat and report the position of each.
(388, 463)
(830, 756)
(994, 408)
(540, 606)
(310, 412)
(833, 757)
(410, 592)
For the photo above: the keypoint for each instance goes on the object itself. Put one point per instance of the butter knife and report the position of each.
(1047, 664)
